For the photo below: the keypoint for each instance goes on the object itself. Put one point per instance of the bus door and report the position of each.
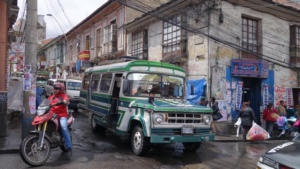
(84, 92)
(95, 79)
(105, 85)
(114, 116)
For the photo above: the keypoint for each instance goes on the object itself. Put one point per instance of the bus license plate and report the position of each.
(187, 130)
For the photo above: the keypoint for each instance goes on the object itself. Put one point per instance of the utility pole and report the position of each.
(30, 67)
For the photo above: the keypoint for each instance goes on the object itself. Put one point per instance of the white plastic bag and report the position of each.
(237, 124)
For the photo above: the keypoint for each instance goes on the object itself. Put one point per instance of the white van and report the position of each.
(72, 90)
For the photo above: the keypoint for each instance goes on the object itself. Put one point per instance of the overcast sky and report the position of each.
(75, 10)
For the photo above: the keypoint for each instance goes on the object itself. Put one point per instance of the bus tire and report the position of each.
(139, 143)
(95, 127)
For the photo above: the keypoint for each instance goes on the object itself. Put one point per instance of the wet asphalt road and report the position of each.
(95, 151)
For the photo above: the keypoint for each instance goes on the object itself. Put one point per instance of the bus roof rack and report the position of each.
(121, 59)
(129, 58)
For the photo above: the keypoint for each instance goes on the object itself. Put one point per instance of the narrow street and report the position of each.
(110, 152)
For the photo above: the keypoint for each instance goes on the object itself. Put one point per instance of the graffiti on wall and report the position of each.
(279, 93)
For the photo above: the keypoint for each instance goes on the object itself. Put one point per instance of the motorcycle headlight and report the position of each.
(207, 119)
(158, 118)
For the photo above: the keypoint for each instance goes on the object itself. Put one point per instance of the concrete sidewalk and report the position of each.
(11, 143)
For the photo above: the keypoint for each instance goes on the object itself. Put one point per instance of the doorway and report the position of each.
(252, 93)
(114, 116)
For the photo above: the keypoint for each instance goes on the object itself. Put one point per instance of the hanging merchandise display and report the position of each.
(239, 95)
(265, 95)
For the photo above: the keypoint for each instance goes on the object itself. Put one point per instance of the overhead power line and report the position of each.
(187, 28)
(63, 10)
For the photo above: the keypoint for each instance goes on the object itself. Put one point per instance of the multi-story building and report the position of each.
(243, 50)
(101, 36)
(8, 12)
(52, 54)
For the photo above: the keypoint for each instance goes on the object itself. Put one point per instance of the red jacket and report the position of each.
(60, 110)
(267, 114)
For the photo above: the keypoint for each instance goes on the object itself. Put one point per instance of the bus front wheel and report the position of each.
(139, 143)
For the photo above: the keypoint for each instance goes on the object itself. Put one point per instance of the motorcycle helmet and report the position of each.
(60, 87)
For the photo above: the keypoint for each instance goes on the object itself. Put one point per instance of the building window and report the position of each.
(250, 38)
(98, 42)
(87, 42)
(295, 41)
(174, 40)
(110, 38)
(140, 44)
(172, 35)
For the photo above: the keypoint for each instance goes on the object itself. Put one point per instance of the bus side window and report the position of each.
(95, 82)
(105, 82)
(86, 82)
(127, 85)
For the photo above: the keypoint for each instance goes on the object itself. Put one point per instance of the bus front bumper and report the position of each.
(181, 138)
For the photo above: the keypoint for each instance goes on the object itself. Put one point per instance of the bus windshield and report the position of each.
(142, 84)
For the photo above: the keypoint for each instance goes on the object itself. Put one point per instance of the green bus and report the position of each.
(144, 100)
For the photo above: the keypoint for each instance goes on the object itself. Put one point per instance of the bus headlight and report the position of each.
(158, 118)
(207, 119)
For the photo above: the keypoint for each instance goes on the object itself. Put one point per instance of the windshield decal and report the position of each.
(277, 148)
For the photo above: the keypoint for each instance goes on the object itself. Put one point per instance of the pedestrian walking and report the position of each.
(270, 115)
(247, 117)
(216, 113)
(281, 109)
(202, 102)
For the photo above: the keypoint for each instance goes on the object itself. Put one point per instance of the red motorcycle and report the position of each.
(36, 147)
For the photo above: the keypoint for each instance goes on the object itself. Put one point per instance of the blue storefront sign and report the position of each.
(249, 68)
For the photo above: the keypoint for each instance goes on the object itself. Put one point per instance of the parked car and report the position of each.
(72, 90)
(284, 156)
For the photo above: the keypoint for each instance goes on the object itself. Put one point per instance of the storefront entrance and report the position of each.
(252, 93)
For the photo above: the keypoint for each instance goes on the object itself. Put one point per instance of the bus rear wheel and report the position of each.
(95, 127)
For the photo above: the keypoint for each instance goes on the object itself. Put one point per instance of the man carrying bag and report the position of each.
(216, 113)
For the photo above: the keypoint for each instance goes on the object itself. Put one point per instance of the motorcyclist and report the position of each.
(59, 97)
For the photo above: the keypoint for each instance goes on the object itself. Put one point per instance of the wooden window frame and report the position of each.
(87, 42)
(295, 41)
(110, 38)
(98, 41)
(139, 44)
(171, 46)
(251, 27)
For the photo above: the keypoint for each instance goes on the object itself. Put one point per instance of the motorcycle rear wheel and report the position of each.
(32, 154)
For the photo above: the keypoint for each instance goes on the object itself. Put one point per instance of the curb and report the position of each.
(258, 141)
(10, 151)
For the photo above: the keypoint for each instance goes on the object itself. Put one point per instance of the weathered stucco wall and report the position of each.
(155, 41)
(275, 45)
(197, 57)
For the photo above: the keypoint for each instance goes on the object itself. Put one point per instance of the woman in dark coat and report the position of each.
(247, 116)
